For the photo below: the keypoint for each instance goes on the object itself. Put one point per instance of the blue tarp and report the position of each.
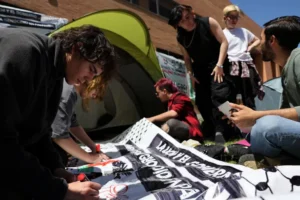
(273, 93)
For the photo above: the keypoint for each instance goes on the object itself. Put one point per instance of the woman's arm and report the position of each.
(81, 135)
(254, 43)
(188, 63)
(219, 35)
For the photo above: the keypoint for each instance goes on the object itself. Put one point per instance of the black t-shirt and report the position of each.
(201, 45)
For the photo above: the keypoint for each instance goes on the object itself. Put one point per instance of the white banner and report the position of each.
(149, 164)
(175, 70)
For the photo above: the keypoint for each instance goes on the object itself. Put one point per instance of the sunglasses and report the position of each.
(233, 17)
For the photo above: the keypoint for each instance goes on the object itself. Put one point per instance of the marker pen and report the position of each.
(98, 148)
(82, 177)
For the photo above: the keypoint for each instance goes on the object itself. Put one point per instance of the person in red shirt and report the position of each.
(180, 120)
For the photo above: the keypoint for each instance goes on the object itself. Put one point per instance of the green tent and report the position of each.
(127, 31)
(130, 96)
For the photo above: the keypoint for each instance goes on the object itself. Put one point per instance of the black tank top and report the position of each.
(201, 45)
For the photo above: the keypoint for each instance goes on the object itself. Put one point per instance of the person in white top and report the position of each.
(243, 71)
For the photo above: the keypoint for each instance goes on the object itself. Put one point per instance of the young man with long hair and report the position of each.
(32, 70)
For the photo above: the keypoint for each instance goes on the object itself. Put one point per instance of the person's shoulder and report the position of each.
(202, 20)
(182, 96)
(293, 61)
(246, 31)
(19, 34)
(68, 92)
(296, 52)
(295, 57)
(22, 40)
(203, 23)
(225, 30)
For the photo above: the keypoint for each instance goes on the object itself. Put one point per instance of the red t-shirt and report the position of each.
(182, 104)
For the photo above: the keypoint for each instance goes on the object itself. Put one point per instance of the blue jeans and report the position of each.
(272, 135)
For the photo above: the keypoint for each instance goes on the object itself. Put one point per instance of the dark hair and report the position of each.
(176, 14)
(286, 29)
(91, 44)
(167, 84)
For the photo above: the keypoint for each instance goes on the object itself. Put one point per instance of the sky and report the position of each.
(261, 11)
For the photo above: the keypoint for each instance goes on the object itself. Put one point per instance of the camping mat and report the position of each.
(149, 164)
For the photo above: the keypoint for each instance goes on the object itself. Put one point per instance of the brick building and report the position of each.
(154, 13)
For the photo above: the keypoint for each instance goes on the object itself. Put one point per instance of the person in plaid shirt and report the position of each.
(180, 121)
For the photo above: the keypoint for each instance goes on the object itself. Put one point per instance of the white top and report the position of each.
(238, 40)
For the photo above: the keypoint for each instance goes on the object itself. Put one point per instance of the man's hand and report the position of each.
(83, 191)
(98, 157)
(62, 173)
(218, 72)
(229, 122)
(244, 117)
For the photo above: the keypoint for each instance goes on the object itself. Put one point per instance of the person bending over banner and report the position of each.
(180, 120)
(277, 131)
(32, 70)
(65, 122)
(204, 48)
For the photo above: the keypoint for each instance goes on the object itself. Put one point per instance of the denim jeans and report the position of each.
(272, 135)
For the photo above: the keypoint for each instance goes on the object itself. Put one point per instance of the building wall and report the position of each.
(162, 35)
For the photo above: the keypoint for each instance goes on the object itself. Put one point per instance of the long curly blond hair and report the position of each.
(98, 84)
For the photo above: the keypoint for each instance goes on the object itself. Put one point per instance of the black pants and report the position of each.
(209, 95)
(247, 87)
(178, 129)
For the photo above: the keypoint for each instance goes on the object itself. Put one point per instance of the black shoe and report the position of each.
(253, 161)
(235, 151)
(214, 151)
(219, 138)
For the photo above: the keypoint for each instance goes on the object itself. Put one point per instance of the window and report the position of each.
(133, 1)
(161, 7)
(153, 6)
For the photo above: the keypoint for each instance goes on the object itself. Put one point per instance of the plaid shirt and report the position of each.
(182, 104)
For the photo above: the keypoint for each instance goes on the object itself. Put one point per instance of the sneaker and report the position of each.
(219, 138)
(191, 143)
(214, 151)
(283, 159)
(253, 161)
(235, 151)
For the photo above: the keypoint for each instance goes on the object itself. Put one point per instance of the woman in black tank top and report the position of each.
(204, 47)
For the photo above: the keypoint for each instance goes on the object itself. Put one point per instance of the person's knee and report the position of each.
(172, 122)
(165, 128)
(263, 128)
(177, 129)
(265, 125)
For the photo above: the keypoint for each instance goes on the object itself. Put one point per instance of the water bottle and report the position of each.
(239, 99)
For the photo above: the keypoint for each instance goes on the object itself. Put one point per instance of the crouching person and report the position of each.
(180, 121)
(65, 122)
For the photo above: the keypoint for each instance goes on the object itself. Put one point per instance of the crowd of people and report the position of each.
(41, 78)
